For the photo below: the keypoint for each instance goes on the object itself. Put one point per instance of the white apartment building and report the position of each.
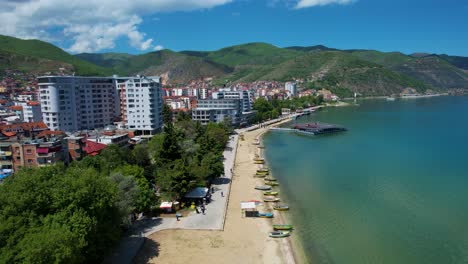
(72, 103)
(31, 111)
(291, 87)
(244, 96)
(140, 103)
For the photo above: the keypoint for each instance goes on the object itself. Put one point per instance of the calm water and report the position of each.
(393, 189)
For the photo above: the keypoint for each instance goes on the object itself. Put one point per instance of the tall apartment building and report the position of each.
(31, 111)
(291, 87)
(244, 96)
(140, 103)
(72, 103)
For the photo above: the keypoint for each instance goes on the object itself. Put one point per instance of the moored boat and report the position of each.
(263, 170)
(270, 179)
(281, 207)
(259, 175)
(270, 193)
(263, 187)
(259, 162)
(262, 173)
(282, 227)
(279, 234)
(271, 199)
(265, 215)
(271, 183)
(259, 159)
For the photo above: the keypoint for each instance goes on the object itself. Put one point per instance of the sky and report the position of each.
(140, 26)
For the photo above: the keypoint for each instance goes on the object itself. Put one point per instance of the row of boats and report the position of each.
(279, 230)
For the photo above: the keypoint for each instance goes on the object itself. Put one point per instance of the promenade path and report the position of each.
(213, 219)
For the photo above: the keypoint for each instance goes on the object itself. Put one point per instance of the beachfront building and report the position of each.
(140, 103)
(72, 103)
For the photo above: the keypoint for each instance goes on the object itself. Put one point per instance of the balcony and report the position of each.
(5, 153)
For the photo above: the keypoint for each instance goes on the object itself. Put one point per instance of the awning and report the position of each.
(166, 205)
(248, 205)
(197, 193)
(43, 150)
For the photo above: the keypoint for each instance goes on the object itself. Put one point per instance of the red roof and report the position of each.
(9, 134)
(93, 148)
(16, 108)
(24, 126)
(33, 103)
(50, 133)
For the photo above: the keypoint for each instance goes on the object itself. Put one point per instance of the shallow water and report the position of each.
(392, 189)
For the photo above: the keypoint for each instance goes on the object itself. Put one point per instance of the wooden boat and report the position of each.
(256, 143)
(259, 162)
(263, 187)
(270, 179)
(262, 173)
(259, 159)
(271, 183)
(282, 227)
(270, 193)
(279, 234)
(271, 199)
(259, 176)
(281, 207)
(261, 147)
(263, 170)
(265, 215)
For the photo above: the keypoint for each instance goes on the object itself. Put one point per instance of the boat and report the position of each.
(263, 170)
(271, 199)
(270, 179)
(256, 143)
(259, 159)
(265, 215)
(259, 162)
(271, 183)
(261, 147)
(270, 193)
(282, 227)
(281, 207)
(260, 175)
(263, 187)
(279, 234)
(390, 98)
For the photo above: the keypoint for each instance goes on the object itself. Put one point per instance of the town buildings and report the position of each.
(291, 88)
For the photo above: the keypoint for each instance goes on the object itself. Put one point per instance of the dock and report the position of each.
(312, 128)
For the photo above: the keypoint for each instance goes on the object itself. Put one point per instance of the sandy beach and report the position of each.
(244, 240)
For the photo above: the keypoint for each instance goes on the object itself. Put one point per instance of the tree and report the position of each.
(167, 114)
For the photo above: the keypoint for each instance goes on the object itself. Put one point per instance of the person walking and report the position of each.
(203, 209)
(196, 209)
(222, 194)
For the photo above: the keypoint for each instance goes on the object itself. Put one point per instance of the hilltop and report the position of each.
(368, 72)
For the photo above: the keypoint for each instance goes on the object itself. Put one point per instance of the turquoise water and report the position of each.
(393, 189)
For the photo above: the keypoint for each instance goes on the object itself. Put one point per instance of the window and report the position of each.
(30, 161)
(28, 151)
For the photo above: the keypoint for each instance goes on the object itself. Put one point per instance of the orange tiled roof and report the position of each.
(16, 108)
(23, 126)
(33, 103)
(50, 133)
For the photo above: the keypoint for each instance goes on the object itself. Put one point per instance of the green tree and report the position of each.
(167, 114)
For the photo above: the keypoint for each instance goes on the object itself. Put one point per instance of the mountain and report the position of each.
(40, 57)
(176, 67)
(368, 72)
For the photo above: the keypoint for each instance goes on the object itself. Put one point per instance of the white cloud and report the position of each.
(91, 25)
(158, 47)
(311, 3)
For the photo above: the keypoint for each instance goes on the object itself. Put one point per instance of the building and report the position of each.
(31, 111)
(72, 103)
(244, 96)
(140, 103)
(291, 88)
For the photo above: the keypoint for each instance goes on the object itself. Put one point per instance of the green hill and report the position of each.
(32, 50)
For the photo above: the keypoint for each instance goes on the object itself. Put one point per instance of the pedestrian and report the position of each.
(177, 215)
(222, 194)
(203, 209)
(212, 189)
(196, 209)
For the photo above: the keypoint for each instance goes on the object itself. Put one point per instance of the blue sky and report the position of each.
(397, 25)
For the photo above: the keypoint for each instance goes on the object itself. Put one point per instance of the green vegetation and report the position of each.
(36, 49)
(75, 214)
(272, 109)
(367, 72)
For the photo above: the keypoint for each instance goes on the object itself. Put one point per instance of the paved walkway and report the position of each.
(213, 219)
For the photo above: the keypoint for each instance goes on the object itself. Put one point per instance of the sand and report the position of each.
(244, 240)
